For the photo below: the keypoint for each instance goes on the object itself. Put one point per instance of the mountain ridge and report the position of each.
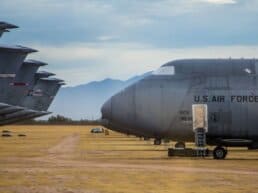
(85, 100)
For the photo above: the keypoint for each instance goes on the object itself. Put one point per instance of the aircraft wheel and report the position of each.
(219, 153)
(180, 145)
(157, 141)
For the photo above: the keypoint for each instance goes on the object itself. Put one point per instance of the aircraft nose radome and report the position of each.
(106, 109)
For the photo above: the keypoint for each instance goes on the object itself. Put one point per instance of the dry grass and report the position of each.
(71, 159)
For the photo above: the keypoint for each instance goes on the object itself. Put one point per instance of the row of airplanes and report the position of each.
(25, 92)
(160, 105)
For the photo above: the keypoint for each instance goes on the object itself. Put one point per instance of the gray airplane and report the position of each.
(22, 93)
(43, 94)
(37, 102)
(37, 113)
(11, 59)
(160, 105)
(4, 27)
(19, 88)
(29, 85)
(41, 74)
(23, 82)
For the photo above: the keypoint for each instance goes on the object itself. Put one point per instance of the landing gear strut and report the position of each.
(219, 152)
(146, 139)
(157, 141)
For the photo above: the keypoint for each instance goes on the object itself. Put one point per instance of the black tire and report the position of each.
(180, 145)
(219, 153)
(157, 141)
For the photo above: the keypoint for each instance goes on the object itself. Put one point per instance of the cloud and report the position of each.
(106, 38)
(166, 23)
(81, 63)
(220, 1)
(86, 40)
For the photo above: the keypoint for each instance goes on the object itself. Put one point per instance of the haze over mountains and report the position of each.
(84, 101)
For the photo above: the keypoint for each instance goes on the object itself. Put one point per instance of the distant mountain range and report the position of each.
(84, 101)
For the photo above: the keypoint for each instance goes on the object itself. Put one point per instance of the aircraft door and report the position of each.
(220, 115)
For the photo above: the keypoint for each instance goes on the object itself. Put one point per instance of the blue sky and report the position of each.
(85, 40)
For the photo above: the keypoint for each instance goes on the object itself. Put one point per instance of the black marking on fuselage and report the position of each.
(222, 99)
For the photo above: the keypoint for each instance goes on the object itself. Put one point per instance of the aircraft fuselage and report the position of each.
(160, 105)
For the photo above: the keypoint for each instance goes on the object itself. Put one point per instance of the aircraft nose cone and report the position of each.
(106, 109)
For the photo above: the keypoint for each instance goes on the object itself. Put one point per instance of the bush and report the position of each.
(21, 135)
(6, 131)
(6, 135)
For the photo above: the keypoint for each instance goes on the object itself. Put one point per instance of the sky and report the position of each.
(88, 40)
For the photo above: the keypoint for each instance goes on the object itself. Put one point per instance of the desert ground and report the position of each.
(70, 159)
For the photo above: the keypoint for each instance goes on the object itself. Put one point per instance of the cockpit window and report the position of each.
(165, 70)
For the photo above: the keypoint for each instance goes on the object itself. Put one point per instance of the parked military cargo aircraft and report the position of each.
(160, 105)
(37, 102)
(25, 93)
(4, 27)
(23, 82)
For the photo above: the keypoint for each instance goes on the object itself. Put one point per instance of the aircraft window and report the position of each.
(165, 70)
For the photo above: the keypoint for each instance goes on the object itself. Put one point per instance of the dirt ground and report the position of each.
(70, 159)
